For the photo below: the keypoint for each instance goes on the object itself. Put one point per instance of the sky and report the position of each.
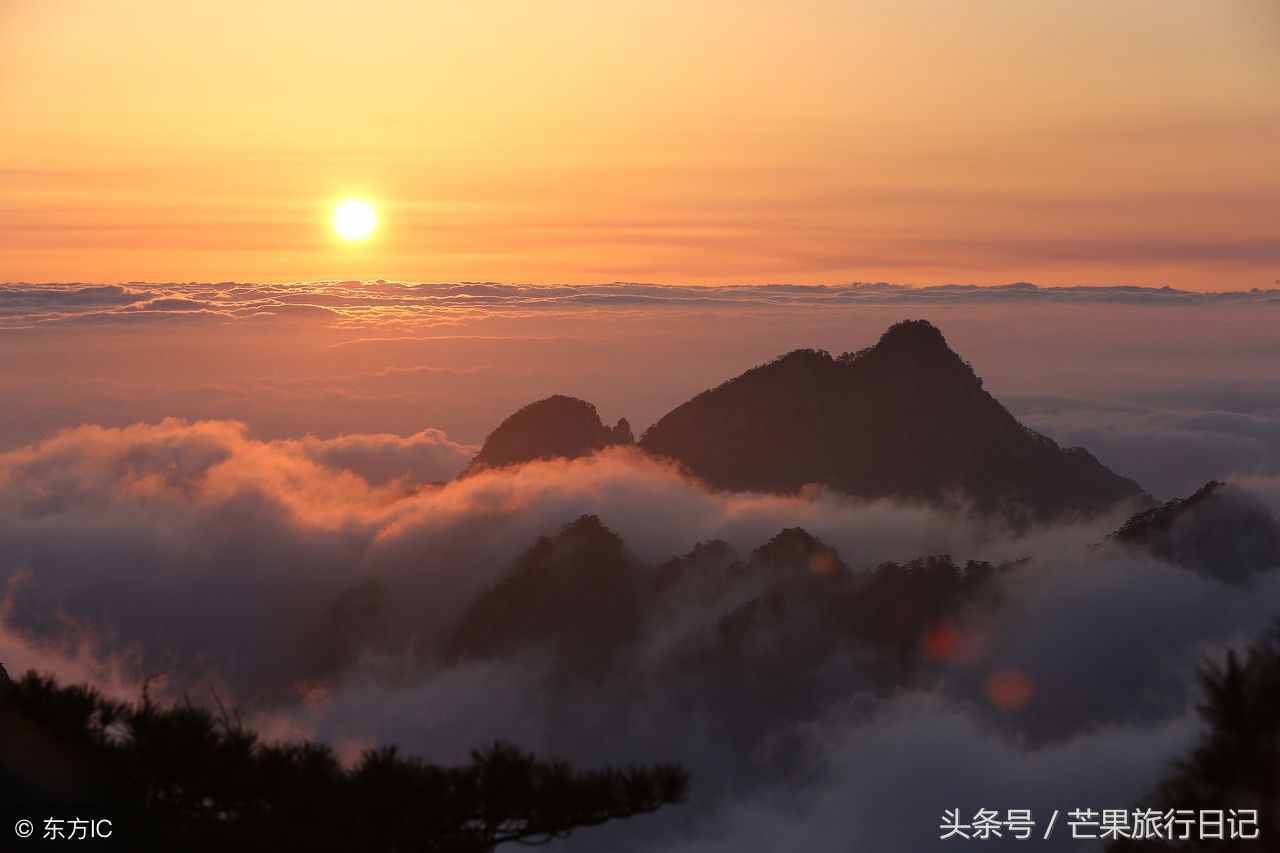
(566, 141)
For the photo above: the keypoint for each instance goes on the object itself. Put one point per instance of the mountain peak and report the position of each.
(558, 426)
(576, 590)
(906, 418)
(913, 333)
(1160, 519)
(913, 347)
(588, 531)
(797, 549)
(808, 357)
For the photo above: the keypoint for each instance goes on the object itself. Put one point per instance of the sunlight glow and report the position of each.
(354, 219)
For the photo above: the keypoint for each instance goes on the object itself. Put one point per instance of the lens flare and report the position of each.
(1010, 689)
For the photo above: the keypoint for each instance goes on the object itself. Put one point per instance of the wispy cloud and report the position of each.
(359, 303)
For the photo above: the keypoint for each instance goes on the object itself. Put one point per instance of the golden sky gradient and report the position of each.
(565, 141)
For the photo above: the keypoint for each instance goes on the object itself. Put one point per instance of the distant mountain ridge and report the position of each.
(767, 618)
(906, 418)
(1221, 530)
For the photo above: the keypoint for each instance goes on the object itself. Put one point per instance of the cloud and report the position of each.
(71, 655)
(1267, 488)
(370, 303)
(16, 297)
(207, 549)
(196, 547)
(240, 555)
(1110, 707)
(197, 550)
(928, 757)
(1171, 451)
(424, 457)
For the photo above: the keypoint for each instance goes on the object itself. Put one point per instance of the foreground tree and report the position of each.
(183, 778)
(1236, 764)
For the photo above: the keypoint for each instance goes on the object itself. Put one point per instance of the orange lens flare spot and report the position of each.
(950, 644)
(822, 564)
(1010, 689)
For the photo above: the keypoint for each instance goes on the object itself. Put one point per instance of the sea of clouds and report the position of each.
(379, 301)
(192, 475)
(196, 551)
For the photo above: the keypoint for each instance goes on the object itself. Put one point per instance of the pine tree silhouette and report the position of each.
(182, 777)
(1236, 762)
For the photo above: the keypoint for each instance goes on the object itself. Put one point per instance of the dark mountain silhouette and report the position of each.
(557, 427)
(795, 551)
(906, 418)
(577, 593)
(815, 597)
(793, 628)
(707, 566)
(793, 563)
(1221, 530)
(358, 620)
(765, 629)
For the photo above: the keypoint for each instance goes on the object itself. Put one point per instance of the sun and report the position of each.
(354, 219)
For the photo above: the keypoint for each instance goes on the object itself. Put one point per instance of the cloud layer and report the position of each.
(372, 302)
(201, 551)
(293, 542)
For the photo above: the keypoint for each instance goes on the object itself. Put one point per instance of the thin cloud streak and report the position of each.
(357, 303)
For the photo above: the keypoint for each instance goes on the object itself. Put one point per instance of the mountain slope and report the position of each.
(774, 627)
(1221, 530)
(576, 592)
(906, 418)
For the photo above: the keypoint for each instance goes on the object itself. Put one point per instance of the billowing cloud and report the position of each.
(200, 551)
(216, 542)
(424, 457)
(1170, 450)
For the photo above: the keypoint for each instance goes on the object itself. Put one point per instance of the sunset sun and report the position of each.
(354, 219)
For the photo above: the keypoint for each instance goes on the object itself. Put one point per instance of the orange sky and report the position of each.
(820, 141)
